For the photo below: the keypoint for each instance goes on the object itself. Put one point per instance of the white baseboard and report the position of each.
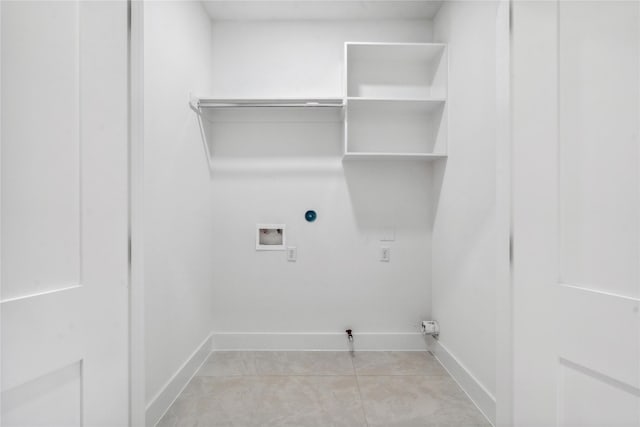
(478, 394)
(318, 341)
(172, 389)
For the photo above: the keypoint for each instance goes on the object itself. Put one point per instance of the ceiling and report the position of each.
(270, 10)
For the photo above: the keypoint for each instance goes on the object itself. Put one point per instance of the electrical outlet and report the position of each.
(385, 254)
(292, 254)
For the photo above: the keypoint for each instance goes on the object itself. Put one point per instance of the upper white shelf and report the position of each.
(402, 52)
(396, 70)
(266, 102)
(394, 105)
(396, 101)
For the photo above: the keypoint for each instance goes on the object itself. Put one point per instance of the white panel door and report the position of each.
(64, 293)
(576, 213)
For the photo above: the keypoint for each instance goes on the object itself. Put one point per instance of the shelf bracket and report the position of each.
(194, 105)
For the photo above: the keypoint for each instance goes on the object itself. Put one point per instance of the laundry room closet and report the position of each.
(313, 167)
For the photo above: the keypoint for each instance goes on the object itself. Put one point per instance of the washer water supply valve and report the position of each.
(349, 335)
(430, 327)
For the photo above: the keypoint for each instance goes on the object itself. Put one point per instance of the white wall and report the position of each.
(178, 234)
(295, 58)
(270, 167)
(464, 276)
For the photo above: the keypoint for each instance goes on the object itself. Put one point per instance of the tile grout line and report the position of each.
(355, 374)
(323, 375)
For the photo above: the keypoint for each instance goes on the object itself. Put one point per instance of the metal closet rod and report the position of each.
(237, 103)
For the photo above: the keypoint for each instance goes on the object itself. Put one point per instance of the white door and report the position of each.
(64, 216)
(576, 213)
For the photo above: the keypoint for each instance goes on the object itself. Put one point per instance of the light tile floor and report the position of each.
(322, 388)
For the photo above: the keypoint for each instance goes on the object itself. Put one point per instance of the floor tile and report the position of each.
(268, 401)
(229, 363)
(413, 401)
(310, 401)
(396, 363)
(215, 401)
(303, 363)
(178, 416)
(404, 389)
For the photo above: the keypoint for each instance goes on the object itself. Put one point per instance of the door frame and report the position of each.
(137, 397)
(135, 230)
(1, 284)
(504, 218)
(504, 303)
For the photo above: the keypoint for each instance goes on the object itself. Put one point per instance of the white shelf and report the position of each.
(390, 126)
(369, 98)
(398, 52)
(267, 102)
(424, 105)
(395, 106)
(399, 156)
(396, 100)
(396, 70)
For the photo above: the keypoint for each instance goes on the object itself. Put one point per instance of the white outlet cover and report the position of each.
(385, 254)
(292, 254)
